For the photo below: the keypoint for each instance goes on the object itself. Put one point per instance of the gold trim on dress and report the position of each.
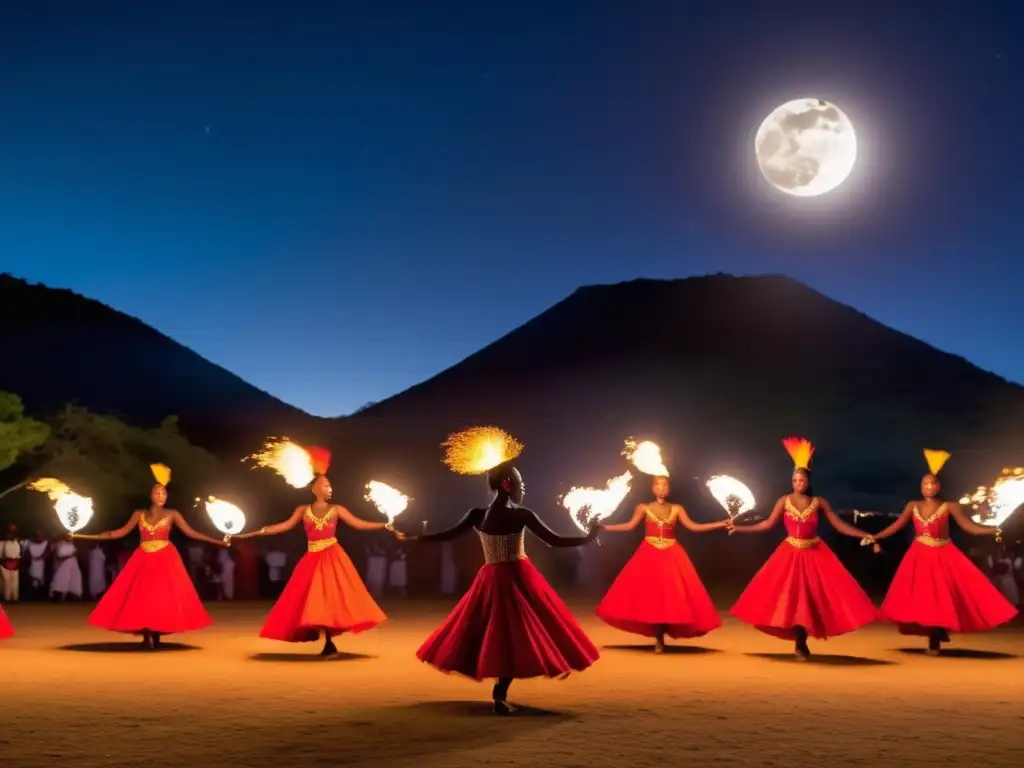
(503, 547)
(319, 522)
(143, 523)
(801, 516)
(940, 512)
(793, 541)
(931, 541)
(319, 545)
(154, 545)
(659, 542)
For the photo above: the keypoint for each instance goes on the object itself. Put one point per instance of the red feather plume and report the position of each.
(319, 458)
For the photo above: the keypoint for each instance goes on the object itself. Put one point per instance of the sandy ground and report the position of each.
(73, 695)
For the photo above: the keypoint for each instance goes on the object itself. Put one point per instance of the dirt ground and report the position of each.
(76, 696)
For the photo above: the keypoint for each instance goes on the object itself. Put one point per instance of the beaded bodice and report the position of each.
(659, 531)
(318, 528)
(933, 527)
(154, 536)
(503, 547)
(801, 524)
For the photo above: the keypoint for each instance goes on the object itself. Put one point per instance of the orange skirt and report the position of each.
(325, 594)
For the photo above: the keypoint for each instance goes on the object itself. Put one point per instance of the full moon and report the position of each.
(806, 147)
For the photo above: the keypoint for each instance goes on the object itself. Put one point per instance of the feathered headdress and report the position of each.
(319, 459)
(161, 473)
(478, 450)
(800, 450)
(936, 460)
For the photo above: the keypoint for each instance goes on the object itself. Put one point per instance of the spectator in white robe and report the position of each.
(226, 563)
(277, 562)
(376, 571)
(67, 573)
(398, 574)
(97, 572)
(10, 565)
(37, 549)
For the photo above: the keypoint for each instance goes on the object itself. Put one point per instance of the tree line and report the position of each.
(97, 455)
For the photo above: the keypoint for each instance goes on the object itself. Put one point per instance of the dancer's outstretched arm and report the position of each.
(117, 533)
(841, 525)
(552, 539)
(633, 522)
(969, 525)
(282, 527)
(897, 525)
(179, 520)
(767, 524)
(469, 520)
(357, 522)
(687, 523)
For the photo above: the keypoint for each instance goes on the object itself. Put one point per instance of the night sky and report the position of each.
(338, 204)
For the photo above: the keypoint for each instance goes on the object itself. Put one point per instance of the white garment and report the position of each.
(10, 549)
(67, 576)
(97, 571)
(376, 574)
(449, 573)
(398, 574)
(37, 560)
(1005, 582)
(227, 574)
(276, 563)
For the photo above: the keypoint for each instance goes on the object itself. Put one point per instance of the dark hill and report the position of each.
(717, 369)
(61, 347)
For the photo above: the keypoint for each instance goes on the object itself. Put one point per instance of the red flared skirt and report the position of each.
(6, 630)
(659, 590)
(509, 624)
(152, 592)
(940, 588)
(804, 587)
(324, 594)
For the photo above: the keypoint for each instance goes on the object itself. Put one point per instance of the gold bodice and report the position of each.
(503, 548)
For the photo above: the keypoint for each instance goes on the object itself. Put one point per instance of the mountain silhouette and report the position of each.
(715, 369)
(60, 347)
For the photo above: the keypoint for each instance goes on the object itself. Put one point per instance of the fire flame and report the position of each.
(389, 501)
(646, 457)
(225, 516)
(478, 450)
(584, 504)
(735, 497)
(995, 504)
(290, 460)
(73, 511)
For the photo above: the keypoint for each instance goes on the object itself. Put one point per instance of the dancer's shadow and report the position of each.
(824, 659)
(299, 657)
(136, 647)
(678, 650)
(962, 653)
(482, 709)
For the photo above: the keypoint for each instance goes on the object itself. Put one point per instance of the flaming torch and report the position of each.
(290, 460)
(646, 457)
(734, 496)
(995, 505)
(588, 504)
(73, 511)
(225, 516)
(389, 501)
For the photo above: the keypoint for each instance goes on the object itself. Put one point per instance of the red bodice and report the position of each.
(320, 528)
(659, 532)
(159, 532)
(935, 525)
(801, 525)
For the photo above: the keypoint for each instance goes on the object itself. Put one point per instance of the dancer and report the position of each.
(803, 590)
(152, 595)
(324, 593)
(658, 592)
(510, 624)
(936, 589)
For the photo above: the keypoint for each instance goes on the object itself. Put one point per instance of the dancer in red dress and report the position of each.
(803, 590)
(153, 594)
(936, 589)
(324, 594)
(658, 592)
(510, 625)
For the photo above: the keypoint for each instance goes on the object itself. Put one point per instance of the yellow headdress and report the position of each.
(800, 450)
(478, 450)
(161, 473)
(936, 460)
